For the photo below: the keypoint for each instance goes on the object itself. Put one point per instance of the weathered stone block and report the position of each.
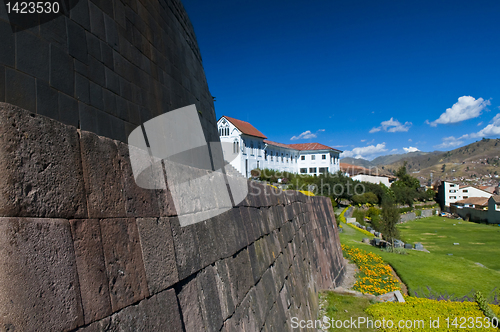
(32, 55)
(157, 313)
(124, 263)
(139, 202)
(20, 89)
(62, 73)
(209, 299)
(39, 289)
(226, 296)
(68, 110)
(91, 267)
(103, 176)
(240, 274)
(189, 302)
(158, 253)
(47, 101)
(41, 166)
(187, 250)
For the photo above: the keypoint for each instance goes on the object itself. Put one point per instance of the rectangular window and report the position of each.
(453, 191)
(302, 157)
(303, 170)
(312, 170)
(323, 170)
(466, 190)
(313, 157)
(466, 197)
(452, 185)
(323, 157)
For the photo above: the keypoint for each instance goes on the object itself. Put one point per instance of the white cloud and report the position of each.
(409, 140)
(449, 142)
(365, 152)
(363, 140)
(305, 135)
(391, 126)
(410, 149)
(466, 108)
(480, 123)
(493, 129)
(394, 150)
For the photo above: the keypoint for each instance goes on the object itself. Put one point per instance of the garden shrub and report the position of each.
(420, 309)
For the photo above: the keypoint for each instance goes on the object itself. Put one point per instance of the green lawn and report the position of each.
(477, 242)
(343, 307)
(453, 274)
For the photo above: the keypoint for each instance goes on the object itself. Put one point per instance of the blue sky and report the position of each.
(367, 77)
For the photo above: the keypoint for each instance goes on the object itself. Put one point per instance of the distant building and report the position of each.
(364, 174)
(478, 209)
(250, 149)
(450, 192)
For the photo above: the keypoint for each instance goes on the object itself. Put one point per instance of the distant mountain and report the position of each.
(477, 163)
(392, 158)
(357, 161)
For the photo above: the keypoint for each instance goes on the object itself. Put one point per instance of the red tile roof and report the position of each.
(277, 144)
(245, 127)
(483, 201)
(311, 146)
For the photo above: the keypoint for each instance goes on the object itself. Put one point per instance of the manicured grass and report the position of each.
(477, 243)
(452, 274)
(343, 307)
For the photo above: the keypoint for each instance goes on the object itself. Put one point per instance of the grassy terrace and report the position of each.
(457, 274)
(478, 243)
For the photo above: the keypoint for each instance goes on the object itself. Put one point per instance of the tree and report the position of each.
(390, 217)
(443, 168)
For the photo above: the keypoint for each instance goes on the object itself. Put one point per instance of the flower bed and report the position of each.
(453, 316)
(361, 230)
(374, 275)
(342, 217)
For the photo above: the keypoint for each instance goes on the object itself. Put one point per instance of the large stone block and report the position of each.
(39, 288)
(157, 313)
(103, 176)
(139, 202)
(124, 263)
(41, 166)
(226, 296)
(91, 269)
(20, 89)
(209, 299)
(187, 250)
(158, 253)
(240, 274)
(189, 301)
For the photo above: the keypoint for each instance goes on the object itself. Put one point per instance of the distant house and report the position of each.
(450, 192)
(478, 209)
(364, 174)
(247, 149)
(480, 203)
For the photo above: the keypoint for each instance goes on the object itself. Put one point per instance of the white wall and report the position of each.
(453, 193)
(372, 179)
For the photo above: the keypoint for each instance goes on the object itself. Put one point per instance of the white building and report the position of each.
(249, 149)
(452, 192)
(372, 179)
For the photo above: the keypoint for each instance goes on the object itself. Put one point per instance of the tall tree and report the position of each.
(390, 218)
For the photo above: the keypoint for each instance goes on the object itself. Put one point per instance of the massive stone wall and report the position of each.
(105, 66)
(83, 247)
